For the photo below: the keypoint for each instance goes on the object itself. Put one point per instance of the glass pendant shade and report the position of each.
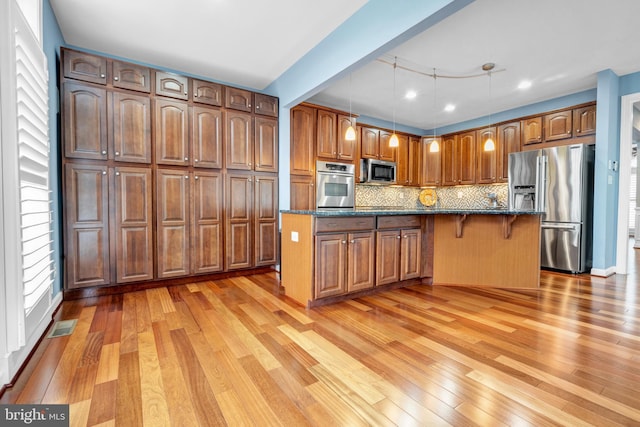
(393, 141)
(434, 147)
(350, 134)
(489, 145)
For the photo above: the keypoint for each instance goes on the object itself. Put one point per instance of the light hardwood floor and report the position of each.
(234, 352)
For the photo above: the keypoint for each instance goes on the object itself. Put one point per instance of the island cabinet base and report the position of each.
(477, 250)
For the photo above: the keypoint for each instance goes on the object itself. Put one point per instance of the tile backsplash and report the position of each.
(457, 197)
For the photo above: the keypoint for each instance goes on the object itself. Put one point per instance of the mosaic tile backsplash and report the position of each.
(458, 197)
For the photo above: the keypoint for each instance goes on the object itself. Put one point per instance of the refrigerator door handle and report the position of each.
(568, 227)
(541, 184)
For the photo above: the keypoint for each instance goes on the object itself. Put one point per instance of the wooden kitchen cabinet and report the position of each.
(458, 156)
(558, 125)
(326, 141)
(206, 137)
(208, 93)
(347, 261)
(207, 248)
(131, 124)
(85, 122)
(238, 99)
(172, 223)
(508, 141)
(531, 131)
(398, 249)
(370, 140)
(409, 158)
(239, 140)
(171, 132)
(387, 257)
(238, 220)
(486, 171)
(265, 105)
(303, 137)
(302, 193)
(84, 66)
(266, 144)
(347, 150)
(431, 172)
(131, 76)
(402, 170)
(172, 85)
(265, 207)
(87, 254)
(133, 224)
(386, 152)
(584, 120)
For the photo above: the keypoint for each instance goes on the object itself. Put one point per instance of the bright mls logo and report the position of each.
(34, 415)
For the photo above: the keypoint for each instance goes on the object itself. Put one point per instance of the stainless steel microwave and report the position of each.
(373, 171)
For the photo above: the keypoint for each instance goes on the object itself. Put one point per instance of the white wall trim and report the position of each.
(603, 273)
(626, 136)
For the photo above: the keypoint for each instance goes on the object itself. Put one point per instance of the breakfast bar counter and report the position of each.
(330, 255)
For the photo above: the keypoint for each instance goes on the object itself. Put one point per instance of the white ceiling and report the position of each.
(559, 45)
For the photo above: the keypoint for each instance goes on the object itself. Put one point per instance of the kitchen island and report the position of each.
(328, 256)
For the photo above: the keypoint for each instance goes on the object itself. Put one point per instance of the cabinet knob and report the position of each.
(249, 105)
(117, 173)
(352, 241)
(102, 76)
(196, 160)
(196, 177)
(578, 130)
(195, 95)
(104, 152)
(116, 78)
(257, 107)
(405, 236)
(249, 163)
(344, 242)
(311, 185)
(117, 153)
(186, 158)
(104, 172)
(186, 177)
(398, 237)
(257, 179)
(186, 93)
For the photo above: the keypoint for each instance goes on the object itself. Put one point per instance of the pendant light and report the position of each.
(434, 146)
(350, 134)
(489, 144)
(393, 141)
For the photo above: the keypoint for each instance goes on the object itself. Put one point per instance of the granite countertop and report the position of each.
(363, 211)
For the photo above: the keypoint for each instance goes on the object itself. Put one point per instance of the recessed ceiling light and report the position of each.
(525, 84)
(411, 94)
(449, 108)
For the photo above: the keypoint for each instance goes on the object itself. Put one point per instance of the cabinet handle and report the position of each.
(104, 152)
(116, 78)
(102, 76)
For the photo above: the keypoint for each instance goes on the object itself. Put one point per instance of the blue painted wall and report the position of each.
(629, 84)
(51, 41)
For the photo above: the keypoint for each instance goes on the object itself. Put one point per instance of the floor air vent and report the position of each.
(62, 328)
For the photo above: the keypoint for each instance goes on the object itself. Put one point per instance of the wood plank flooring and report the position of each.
(234, 352)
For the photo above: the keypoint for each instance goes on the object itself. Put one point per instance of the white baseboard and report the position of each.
(603, 273)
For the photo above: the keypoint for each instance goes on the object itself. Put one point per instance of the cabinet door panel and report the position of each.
(134, 244)
(584, 120)
(387, 257)
(467, 159)
(172, 85)
(448, 155)
(347, 150)
(238, 99)
(172, 223)
(266, 220)
(330, 264)
(487, 161)
(508, 142)
(431, 172)
(87, 225)
(208, 244)
(410, 254)
(207, 92)
(238, 140)
(532, 131)
(85, 122)
(207, 137)
(387, 152)
(266, 144)
(171, 132)
(558, 125)
(131, 128)
(238, 222)
(303, 134)
(131, 76)
(84, 66)
(402, 177)
(370, 139)
(326, 143)
(302, 193)
(415, 158)
(266, 105)
(361, 261)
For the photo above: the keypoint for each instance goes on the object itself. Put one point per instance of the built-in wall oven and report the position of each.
(335, 185)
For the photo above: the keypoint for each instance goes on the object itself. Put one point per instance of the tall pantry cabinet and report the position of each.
(152, 162)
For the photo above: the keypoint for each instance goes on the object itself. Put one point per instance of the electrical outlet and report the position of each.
(294, 236)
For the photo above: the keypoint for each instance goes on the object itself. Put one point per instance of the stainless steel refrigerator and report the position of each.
(559, 182)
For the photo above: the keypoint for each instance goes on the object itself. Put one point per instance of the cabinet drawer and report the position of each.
(399, 221)
(345, 224)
